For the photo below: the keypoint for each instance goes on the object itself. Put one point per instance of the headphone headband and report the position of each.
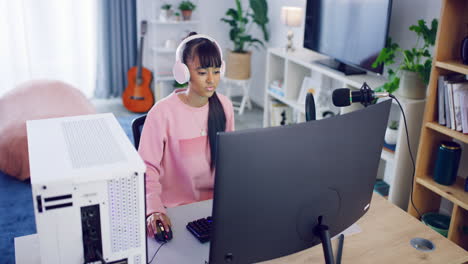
(180, 70)
(181, 47)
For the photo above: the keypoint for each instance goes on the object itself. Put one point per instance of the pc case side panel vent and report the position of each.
(91, 142)
(123, 211)
(137, 259)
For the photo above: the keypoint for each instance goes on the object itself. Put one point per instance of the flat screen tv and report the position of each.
(351, 32)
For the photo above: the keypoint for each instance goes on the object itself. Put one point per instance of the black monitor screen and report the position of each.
(273, 184)
(350, 31)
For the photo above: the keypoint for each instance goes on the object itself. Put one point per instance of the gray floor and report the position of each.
(250, 119)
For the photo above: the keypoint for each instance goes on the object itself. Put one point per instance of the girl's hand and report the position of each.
(151, 223)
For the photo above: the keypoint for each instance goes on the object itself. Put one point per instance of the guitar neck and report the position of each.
(144, 25)
(140, 58)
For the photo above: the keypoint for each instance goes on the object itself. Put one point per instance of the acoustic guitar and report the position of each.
(137, 96)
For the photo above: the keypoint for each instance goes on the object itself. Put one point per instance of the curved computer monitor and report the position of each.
(272, 184)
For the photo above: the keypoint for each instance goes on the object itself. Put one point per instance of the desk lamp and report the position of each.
(291, 17)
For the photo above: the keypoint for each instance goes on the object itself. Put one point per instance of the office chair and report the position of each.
(137, 127)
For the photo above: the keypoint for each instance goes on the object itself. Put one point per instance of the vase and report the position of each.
(186, 14)
(411, 85)
(391, 136)
(165, 15)
(238, 65)
(464, 51)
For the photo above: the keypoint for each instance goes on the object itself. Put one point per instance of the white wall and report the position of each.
(406, 13)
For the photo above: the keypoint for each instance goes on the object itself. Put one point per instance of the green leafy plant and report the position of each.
(166, 6)
(178, 85)
(241, 22)
(393, 125)
(187, 5)
(417, 59)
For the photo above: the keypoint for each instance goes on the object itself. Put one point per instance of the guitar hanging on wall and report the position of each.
(137, 96)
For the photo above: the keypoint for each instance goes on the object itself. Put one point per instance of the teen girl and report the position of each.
(179, 136)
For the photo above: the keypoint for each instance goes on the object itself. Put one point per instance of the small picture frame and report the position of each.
(308, 83)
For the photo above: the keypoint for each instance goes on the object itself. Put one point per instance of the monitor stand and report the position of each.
(340, 66)
(321, 230)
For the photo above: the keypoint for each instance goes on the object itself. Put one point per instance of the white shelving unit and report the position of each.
(163, 50)
(157, 56)
(291, 68)
(187, 22)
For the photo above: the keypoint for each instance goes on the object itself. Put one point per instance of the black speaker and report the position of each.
(310, 107)
(464, 51)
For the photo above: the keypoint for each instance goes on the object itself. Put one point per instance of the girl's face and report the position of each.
(203, 81)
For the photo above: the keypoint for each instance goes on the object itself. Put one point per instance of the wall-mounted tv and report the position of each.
(351, 32)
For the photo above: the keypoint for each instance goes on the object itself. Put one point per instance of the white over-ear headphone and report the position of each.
(180, 70)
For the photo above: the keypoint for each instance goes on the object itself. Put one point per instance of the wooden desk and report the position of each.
(385, 238)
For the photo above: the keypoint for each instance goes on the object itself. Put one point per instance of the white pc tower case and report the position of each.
(88, 191)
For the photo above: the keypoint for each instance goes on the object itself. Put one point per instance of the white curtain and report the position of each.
(48, 39)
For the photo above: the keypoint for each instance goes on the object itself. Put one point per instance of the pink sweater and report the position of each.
(177, 156)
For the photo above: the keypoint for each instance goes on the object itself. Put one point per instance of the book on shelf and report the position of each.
(389, 147)
(276, 91)
(457, 89)
(163, 72)
(451, 109)
(449, 102)
(280, 114)
(276, 87)
(441, 99)
(464, 110)
(448, 122)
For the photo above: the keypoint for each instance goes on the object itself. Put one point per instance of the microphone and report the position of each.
(310, 107)
(365, 96)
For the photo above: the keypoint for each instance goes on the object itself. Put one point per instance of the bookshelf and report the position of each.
(427, 194)
(293, 67)
(158, 56)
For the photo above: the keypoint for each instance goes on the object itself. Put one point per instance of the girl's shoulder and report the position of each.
(164, 105)
(168, 102)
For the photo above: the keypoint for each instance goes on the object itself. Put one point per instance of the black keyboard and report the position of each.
(201, 228)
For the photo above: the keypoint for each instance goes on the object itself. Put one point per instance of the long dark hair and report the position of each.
(209, 56)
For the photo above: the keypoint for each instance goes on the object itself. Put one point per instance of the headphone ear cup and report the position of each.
(181, 72)
(223, 68)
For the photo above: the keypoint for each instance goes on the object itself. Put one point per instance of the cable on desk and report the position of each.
(156, 252)
(411, 154)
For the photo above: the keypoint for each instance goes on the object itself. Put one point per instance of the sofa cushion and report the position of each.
(33, 100)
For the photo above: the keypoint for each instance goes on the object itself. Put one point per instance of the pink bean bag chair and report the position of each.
(29, 101)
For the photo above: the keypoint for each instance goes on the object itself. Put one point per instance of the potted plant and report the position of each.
(178, 85)
(177, 16)
(187, 8)
(391, 133)
(166, 12)
(411, 76)
(241, 21)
